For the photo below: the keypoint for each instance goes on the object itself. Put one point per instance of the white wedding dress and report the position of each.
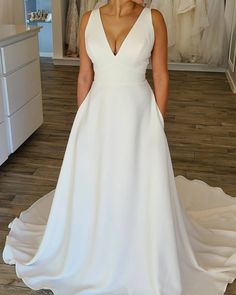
(118, 221)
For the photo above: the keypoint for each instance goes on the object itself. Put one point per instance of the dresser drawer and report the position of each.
(3, 143)
(21, 86)
(24, 122)
(19, 53)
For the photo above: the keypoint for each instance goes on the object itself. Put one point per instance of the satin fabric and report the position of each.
(119, 222)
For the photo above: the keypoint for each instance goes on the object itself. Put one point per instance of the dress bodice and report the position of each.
(131, 61)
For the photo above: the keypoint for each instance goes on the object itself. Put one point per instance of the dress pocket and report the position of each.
(157, 107)
(84, 101)
(160, 115)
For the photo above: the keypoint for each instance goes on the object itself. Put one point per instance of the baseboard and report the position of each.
(46, 54)
(66, 61)
(231, 81)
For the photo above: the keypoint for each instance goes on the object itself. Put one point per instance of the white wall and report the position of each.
(229, 13)
(45, 35)
(231, 75)
(12, 12)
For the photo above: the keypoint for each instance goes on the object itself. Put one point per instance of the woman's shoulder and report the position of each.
(157, 18)
(86, 15)
(85, 18)
(156, 14)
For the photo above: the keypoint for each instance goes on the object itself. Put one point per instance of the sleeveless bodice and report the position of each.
(130, 63)
(118, 221)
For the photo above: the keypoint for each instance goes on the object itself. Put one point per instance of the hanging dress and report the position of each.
(83, 8)
(72, 27)
(214, 43)
(166, 8)
(191, 19)
(91, 4)
(86, 5)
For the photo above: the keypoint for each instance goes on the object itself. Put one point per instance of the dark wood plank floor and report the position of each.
(200, 127)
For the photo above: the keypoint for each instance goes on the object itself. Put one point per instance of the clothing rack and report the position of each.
(172, 65)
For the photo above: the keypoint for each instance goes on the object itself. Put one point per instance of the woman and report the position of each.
(115, 224)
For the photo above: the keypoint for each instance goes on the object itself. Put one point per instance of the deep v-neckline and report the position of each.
(126, 37)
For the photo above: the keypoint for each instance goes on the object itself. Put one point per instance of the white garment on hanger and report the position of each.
(83, 8)
(190, 18)
(166, 8)
(91, 4)
(186, 5)
(72, 26)
(214, 45)
(86, 5)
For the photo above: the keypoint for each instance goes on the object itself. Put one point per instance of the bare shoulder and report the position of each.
(84, 19)
(86, 15)
(158, 19)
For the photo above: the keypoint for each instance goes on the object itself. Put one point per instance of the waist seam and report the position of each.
(113, 83)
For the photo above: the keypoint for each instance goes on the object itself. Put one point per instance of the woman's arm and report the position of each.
(86, 73)
(159, 60)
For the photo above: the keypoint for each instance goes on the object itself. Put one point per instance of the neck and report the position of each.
(119, 7)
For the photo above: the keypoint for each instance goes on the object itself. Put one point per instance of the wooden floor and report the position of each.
(200, 127)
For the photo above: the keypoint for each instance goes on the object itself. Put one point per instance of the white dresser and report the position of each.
(20, 86)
